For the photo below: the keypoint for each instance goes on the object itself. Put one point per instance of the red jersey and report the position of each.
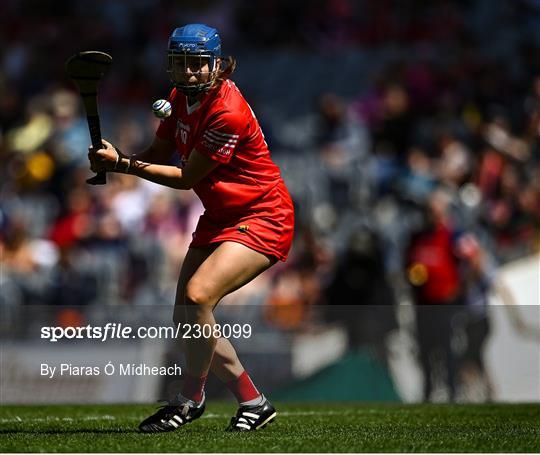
(223, 127)
(434, 251)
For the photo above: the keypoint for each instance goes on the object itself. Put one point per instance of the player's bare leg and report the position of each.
(225, 364)
(223, 361)
(229, 267)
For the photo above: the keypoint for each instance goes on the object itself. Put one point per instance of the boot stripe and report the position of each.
(267, 420)
(173, 423)
(251, 414)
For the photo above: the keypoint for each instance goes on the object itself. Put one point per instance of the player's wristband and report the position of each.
(117, 158)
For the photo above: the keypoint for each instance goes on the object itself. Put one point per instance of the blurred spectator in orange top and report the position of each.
(298, 286)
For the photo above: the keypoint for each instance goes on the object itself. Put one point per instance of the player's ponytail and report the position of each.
(229, 65)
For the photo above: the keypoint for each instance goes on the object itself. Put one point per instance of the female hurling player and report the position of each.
(247, 224)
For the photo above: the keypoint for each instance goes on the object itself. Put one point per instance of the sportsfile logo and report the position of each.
(119, 331)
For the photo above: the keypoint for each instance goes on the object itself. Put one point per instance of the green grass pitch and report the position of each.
(298, 428)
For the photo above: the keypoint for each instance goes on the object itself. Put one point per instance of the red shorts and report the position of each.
(267, 226)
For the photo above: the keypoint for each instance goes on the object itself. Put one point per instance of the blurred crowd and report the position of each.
(446, 128)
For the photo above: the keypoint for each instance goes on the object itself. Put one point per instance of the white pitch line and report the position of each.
(18, 419)
(57, 419)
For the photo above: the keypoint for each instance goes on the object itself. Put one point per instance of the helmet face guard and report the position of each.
(182, 66)
(193, 51)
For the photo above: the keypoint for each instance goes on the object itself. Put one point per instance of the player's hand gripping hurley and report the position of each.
(86, 69)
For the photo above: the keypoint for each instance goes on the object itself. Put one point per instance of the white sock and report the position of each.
(255, 402)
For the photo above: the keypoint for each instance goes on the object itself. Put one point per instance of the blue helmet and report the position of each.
(193, 40)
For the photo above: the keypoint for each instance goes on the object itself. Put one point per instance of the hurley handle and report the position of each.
(95, 135)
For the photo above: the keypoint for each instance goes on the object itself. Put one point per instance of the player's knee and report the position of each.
(199, 294)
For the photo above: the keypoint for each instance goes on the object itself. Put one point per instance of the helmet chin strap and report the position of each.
(191, 90)
(196, 89)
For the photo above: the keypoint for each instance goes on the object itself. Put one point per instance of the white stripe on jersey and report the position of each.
(221, 144)
(220, 139)
(219, 133)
